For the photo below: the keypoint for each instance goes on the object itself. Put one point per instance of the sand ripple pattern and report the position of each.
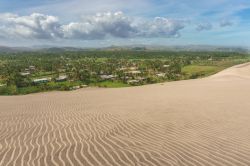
(92, 139)
(156, 125)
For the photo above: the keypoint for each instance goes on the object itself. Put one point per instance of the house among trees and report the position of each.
(42, 80)
(108, 77)
(123, 69)
(24, 74)
(133, 82)
(32, 68)
(161, 74)
(133, 68)
(75, 87)
(134, 72)
(166, 66)
(61, 78)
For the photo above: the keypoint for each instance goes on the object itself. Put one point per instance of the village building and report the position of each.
(75, 87)
(166, 66)
(161, 74)
(133, 82)
(32, 68)
(134, 72)
(61, 78)
(108, 77)
(133, 68)
(123, 69)
(27, 73)
(42, 80)
(84, 86)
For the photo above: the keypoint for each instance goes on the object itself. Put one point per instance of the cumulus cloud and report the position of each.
(99, 26)
(204, 27)
(226, 23)
(161, 27)
(36, 25)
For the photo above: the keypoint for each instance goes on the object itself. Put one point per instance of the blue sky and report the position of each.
(99, 23)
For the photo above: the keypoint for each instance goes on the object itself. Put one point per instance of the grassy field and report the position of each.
(203, 70)
(200, 71)
(110, 84)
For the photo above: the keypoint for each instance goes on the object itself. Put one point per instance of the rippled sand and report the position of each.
(195, 122)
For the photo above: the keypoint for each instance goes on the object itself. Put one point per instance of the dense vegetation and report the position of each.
(30, 72)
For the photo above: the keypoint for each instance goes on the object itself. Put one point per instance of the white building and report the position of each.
(32, 68)
(2, 85)
(61, 78)
(107, 77)
(41, 80)
(133, 81)
(161, 74)
(25, 73)
(134, 72)
(166, 66)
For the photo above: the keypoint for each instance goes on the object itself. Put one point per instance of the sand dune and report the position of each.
(194, 122)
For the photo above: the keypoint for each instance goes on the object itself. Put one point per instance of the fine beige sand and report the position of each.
(194, 122)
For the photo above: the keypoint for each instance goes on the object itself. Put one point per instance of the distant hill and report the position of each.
(180, 48)
(6, 49)
(193, 48)
(14, 49)
(62, 49)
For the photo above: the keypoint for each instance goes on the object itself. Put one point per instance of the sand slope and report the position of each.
(194, 122)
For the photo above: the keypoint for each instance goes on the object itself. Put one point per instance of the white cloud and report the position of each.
(38, 26)
(161, 27)
(99, 26)
(204, 26)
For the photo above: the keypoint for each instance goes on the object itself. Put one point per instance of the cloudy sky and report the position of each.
(100, 23)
